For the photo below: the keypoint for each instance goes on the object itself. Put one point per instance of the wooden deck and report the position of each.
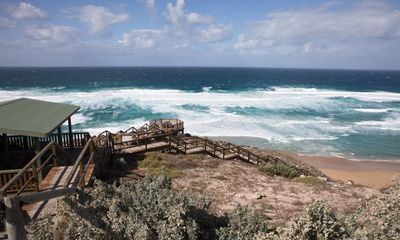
(55, 179)
(144, 148)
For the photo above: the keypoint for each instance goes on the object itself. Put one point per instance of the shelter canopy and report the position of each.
(31, 117)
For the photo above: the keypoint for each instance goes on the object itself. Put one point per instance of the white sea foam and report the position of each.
(219, 122)
(372, 110)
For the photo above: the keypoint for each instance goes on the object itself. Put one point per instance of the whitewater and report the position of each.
(354, 124)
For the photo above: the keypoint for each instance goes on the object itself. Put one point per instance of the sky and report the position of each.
(347, 34)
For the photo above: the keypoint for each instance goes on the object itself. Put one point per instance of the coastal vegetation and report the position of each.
(151, 209)
(280, 170)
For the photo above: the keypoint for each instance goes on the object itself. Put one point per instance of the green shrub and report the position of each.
(279, 169)
(243, 224)
(41, 229)
(380, 219)
(317, 222)
(154, 165)
(146, 209)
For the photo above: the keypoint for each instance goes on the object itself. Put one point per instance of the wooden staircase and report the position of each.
(155, 136)
(49, 179)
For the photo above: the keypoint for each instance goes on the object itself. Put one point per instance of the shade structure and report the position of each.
(30, 117)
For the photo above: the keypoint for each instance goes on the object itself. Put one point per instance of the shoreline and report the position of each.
(376, 173)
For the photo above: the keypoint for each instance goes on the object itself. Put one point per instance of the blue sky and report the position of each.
(362, 34)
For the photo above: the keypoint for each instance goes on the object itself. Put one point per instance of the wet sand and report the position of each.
(372, 173)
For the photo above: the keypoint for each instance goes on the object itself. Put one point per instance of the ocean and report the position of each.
(350, 113)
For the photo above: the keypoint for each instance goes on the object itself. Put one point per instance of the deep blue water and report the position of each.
(340, 112)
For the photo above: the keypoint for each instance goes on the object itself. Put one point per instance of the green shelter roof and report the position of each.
(31, 117)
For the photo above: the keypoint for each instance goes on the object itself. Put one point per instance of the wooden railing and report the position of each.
(82, 167)
(7, 175)
(19, 183)
(75, 180)
(223, 150)
(18, 143)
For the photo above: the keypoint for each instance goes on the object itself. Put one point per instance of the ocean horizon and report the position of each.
(349, 113)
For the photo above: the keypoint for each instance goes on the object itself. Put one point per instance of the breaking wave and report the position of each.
(285, 117)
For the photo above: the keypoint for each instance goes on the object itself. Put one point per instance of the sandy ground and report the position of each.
(378, 174)
(231, 182)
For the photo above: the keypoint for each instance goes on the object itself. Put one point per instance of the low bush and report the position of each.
(243, 224)
(280, 169)
(380, 219)
(154, 165)
(317, 222)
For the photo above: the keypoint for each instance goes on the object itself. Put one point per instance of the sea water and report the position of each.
(349, 113)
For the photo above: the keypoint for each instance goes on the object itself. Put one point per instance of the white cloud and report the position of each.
(176, 15)
(53, 34)
(150, 4)
(141, 38)
(323, 29)
(195, 18)
(6, 23)
(216, 33)
(181, 31)
(98, 18)
(27, 11)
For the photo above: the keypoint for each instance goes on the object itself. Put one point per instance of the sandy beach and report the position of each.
(372, 173)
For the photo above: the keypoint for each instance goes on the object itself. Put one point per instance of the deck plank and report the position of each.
(56, 178)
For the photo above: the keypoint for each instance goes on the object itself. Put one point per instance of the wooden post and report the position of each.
(6, 147)
(185, 147)
(39, 161)
(25, 141)
(81, 174)
(54, 152)
(223, 153)
(14, 219)
(71, 139)
(91, 150)
(35, 177)
(59, 137)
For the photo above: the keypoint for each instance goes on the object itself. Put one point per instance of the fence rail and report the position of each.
(19, 143)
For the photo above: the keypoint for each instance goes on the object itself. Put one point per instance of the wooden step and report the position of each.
(142, 148)
(55, 179)
(195, 150)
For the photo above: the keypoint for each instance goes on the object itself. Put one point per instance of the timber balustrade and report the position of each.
(75, 180)
(29, 177)
(19, 143)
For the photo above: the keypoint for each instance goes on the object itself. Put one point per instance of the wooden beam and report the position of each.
(71, 139)
(14, 219)
(46, 195)
(39, 159)
(5, 145)
(59, 137)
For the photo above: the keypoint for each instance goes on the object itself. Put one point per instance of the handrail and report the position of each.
(79, 162)
(31, 164)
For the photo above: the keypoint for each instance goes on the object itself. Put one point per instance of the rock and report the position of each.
(323, 179)
(349, 182)
(259, 195)
(302, 175)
